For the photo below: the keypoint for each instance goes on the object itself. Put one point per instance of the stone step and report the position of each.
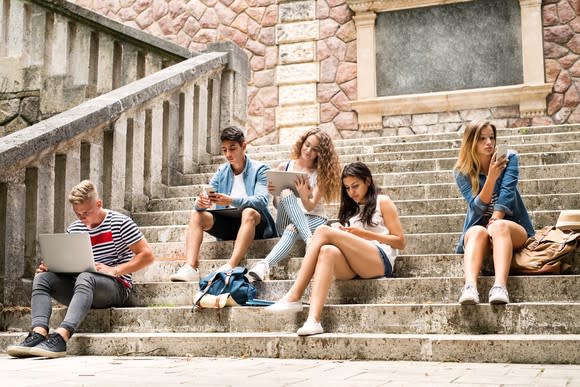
(172, 240)
(512, 319)
(351, 154)
(498, 348)
(504, 136)
(406, 266)
(419, 191)
(176, 212)
(383, 176)
(441, 159)
(424, 290)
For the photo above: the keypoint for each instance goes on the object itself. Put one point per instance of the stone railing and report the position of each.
(132, 142)
(55, 55)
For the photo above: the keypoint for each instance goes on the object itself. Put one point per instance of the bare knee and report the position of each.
(499, 228)
(328, 254)
(250, 215)
(476, 234)
(200, 220)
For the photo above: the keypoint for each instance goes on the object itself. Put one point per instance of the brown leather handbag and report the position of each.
(543, 253)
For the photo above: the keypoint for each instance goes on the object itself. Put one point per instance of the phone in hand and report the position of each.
(500, 151)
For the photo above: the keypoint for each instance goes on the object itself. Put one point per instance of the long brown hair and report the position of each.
(468, 161)
(348, 207)
(326, 163)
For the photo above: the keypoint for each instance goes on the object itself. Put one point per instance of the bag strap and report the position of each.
(543, 234)
(206, 289)
(569, 237)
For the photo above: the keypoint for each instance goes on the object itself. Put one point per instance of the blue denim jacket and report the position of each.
(256, 185)
(509, 200)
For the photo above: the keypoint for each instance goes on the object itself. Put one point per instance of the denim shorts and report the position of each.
(386, 262)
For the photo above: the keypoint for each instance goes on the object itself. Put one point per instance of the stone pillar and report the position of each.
(14, 241)
(129, 64)
(171, 139)
(154, 128)
(214, 124)
(135, 198)
(105, 70)
(79, 57)
(297, 73)
(16, 29)
(118, 164)
(366, 54)
(188, 128)
(200, 122)
(46, 195)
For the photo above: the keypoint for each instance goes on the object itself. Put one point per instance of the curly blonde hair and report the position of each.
(326, 163)
(468, 161)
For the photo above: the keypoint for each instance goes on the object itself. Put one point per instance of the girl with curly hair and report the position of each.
(364, 245)
(314, 154)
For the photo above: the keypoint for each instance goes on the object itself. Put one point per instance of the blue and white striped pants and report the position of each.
(289, 212)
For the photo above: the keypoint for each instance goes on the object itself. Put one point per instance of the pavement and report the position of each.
(255, 372)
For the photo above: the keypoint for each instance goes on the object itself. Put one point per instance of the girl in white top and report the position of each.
(364, 245)
(314, 154)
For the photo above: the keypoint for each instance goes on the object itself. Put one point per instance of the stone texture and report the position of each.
(9, 109)
(550, 15)
(563, 82)
(571, 98)
(566, 61)
(30, 109)
(553, 50)
(297, 11)
(327, 112)
(345, 72)
(555, 103)
(565, 12)
(328, 69)
(574, 44)
(326, 91)
(297, 52)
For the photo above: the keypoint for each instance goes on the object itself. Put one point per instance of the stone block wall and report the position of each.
(17, 111)
(303, 62)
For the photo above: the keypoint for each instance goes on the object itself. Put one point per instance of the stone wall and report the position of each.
(18, 111)
(303, 59)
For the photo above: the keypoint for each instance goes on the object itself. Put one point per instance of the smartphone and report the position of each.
(500, 151)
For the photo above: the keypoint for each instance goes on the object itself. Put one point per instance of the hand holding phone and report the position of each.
(500, 151)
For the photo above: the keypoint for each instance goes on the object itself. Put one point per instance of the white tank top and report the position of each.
(379, 228)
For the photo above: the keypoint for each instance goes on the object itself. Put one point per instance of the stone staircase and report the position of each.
(413, 316)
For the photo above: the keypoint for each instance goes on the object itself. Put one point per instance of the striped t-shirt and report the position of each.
(110, 240)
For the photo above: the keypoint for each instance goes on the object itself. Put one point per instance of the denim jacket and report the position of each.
(509, 200)
(256, 185)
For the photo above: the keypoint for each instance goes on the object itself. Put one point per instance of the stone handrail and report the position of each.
(132, 142)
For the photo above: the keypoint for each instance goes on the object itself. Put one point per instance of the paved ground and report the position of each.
(156, 371)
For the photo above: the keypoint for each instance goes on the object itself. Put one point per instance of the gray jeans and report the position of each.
(79, 291)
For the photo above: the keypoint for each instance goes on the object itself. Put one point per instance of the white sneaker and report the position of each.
(260, 271)
(186, 273)
(498, 295)
(283, 306)
(469, 295)
(310, 328)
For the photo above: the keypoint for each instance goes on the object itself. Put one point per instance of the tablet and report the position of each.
(284, 179)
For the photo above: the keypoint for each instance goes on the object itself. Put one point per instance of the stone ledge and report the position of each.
(531, 99)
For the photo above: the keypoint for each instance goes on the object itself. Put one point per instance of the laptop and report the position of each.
(67, 253)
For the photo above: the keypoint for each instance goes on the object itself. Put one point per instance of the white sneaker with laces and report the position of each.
(186, 273)
(498, 294)
(283, 306)
(310, 328)
(469, 295)
(260, 271)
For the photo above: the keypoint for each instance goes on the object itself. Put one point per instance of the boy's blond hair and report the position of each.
(83, 192)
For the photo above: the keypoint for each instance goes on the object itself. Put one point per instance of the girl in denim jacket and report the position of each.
(496, 219)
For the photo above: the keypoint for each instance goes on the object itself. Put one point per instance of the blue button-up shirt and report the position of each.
(509, 200)
(256, 184)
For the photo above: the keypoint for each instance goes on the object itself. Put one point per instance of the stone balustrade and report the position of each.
(55, 55)
(132, 142)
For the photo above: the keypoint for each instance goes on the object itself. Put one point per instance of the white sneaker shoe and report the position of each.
(310, 328)
(186, 273)
(283, 306)
(260, 271)
(469, 295)
(498, 295)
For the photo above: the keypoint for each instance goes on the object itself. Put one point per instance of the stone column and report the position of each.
(297, 73)
(14, 241)
(187, 121)
(366, 54)
(118, 164)
(154, 128)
